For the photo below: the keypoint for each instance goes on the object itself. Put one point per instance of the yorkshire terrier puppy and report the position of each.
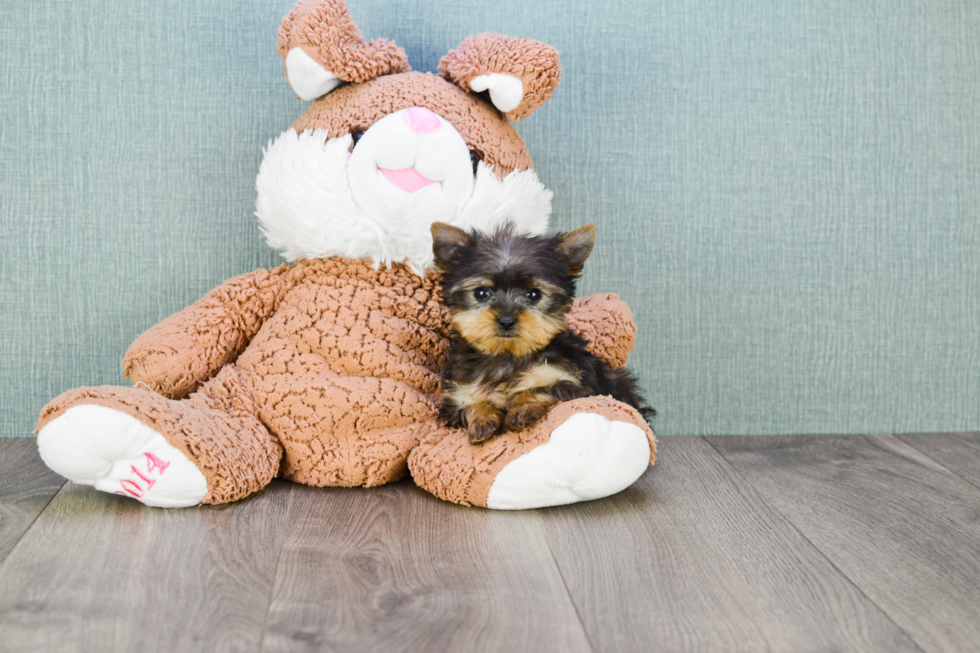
(512, 356)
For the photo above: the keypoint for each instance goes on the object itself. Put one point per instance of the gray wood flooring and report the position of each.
(829, 543)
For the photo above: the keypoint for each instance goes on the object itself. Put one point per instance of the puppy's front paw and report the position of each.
(522, 416)
(483, 422)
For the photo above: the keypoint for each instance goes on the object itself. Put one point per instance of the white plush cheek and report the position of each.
(519, 199)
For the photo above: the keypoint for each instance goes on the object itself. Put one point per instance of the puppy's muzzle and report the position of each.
(506, 322)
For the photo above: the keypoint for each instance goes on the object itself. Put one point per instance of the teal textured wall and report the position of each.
(787, 192)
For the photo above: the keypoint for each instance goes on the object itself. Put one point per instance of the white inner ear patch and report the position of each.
(309, 79)
(506, 91)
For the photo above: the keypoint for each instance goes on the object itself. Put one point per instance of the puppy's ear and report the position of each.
(446, 239)
(519, 73)
(321, 48)
(576, 246)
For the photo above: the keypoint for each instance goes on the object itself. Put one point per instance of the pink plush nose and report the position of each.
(422, 121)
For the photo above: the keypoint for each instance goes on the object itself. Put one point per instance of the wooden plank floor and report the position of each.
(830, 543)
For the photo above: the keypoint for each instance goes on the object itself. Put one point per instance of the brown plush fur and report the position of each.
(535, 63)
(325, 31)
(358, 106)
(324, 372)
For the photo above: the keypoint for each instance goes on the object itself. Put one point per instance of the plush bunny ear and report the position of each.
(519, 73)
(322, 48)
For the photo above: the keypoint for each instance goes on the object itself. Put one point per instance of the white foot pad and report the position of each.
(116, 453)
(588, 457)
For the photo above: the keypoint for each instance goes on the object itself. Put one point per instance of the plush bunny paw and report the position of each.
(581, 450)
(116, 453)
(587, 457)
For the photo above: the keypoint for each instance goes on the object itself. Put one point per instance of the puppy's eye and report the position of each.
(482, 294)
(533, 295)
(475, 158)
(355, 135)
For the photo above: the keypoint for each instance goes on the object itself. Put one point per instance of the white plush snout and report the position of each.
(390, 151)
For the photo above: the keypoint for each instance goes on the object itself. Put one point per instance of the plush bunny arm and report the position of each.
(189, 347)
(607, 323)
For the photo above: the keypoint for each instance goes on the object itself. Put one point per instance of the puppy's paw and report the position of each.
(483, 422)
(525, 415)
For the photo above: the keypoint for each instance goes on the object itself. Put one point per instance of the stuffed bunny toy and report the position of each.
(325, 370)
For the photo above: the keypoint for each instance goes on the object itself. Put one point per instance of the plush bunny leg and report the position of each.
(346, 431)
(209, 448)
(582, 450)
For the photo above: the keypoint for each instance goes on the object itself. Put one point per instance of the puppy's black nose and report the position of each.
(506, 321)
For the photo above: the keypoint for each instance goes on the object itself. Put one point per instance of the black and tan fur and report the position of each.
(512, 356)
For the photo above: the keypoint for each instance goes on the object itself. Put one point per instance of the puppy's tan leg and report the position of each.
(483, 422)
(527, 408)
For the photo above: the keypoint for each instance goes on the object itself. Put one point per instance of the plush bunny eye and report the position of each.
(482, 294)
(355, 136)
(475, 159)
